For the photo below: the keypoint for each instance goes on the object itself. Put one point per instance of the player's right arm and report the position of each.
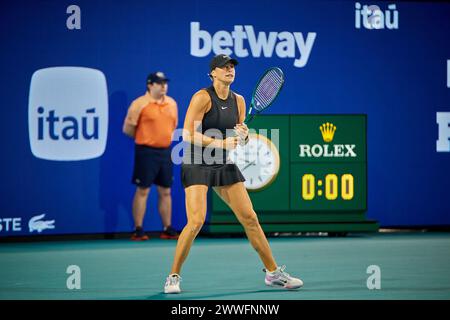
(199, 105)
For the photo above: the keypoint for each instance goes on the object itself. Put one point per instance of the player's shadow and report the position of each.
(187, 296)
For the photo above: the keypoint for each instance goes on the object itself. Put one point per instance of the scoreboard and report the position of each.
(304, 173)
(328, 163)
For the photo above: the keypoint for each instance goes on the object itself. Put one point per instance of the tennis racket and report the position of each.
(265, 92)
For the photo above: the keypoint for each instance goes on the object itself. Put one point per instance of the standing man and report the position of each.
(151, 121)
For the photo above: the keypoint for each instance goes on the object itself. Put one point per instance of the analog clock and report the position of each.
(258, 160)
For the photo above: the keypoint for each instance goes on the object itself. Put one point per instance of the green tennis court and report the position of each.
(412, 265)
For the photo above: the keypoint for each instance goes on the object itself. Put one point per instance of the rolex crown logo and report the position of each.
(327, 130)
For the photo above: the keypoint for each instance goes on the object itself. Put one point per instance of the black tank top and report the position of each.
(223, 115)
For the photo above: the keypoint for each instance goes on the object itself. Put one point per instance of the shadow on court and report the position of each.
(186, 295)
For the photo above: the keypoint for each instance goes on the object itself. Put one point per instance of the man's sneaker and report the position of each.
(169, 233)
(279, 278)
(172, 284)
(139, 235)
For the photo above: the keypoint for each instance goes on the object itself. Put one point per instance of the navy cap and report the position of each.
(220, 60)
(157, 77)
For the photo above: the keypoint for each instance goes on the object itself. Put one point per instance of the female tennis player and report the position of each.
(213, 112)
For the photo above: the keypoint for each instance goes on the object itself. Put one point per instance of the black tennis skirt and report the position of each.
(213, 175)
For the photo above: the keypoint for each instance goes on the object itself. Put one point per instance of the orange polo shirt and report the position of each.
(155, 122)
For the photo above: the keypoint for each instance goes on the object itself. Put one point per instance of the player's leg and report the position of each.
(196, 214)
(236, 196)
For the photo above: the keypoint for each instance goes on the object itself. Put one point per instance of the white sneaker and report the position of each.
(279, 278)
(172, 284)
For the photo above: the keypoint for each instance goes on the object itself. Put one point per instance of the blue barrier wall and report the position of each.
(390, 63)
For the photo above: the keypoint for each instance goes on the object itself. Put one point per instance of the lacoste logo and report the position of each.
(39, 225)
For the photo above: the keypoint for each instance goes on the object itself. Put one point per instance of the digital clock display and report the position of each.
(332, 188)
(322, 186)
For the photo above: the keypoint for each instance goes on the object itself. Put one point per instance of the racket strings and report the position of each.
(267, 89)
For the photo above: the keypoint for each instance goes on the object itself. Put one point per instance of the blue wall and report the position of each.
(397, 76)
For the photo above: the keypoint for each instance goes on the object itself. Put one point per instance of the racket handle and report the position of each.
(248, 119)
(249, 116)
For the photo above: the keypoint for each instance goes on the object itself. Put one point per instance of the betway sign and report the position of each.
(244, 41)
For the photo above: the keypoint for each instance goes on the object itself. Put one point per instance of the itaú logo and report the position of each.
(68, 113)
(336, 151)
(372, 17)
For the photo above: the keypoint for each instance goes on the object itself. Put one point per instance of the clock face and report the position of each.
(258, 160)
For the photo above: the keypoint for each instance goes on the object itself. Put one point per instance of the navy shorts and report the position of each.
(152, 166)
